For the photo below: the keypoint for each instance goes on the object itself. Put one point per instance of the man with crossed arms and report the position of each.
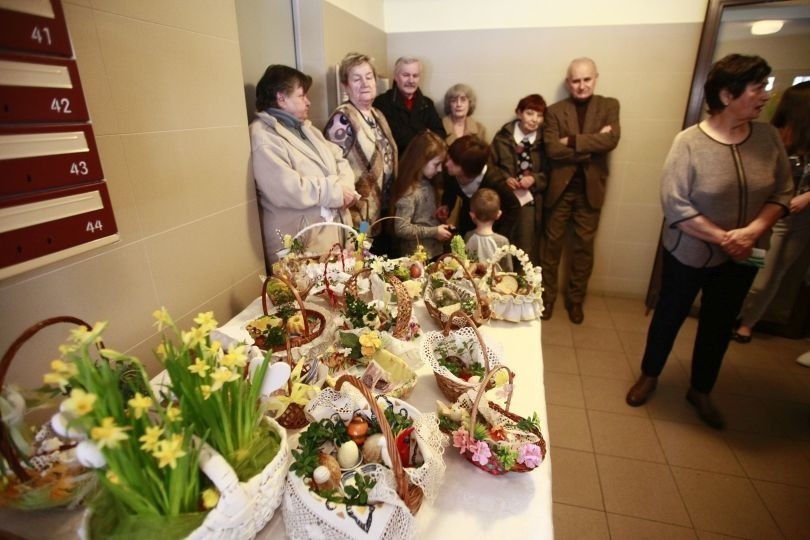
(579, 133)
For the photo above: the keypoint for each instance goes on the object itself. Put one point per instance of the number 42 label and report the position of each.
(93, 226)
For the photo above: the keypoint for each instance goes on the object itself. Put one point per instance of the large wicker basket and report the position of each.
(494, 466)
(515, 307)
(401, 326)
(450, 385)
(52, 484)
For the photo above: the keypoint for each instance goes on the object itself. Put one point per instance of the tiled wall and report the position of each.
(648, 67)
(164, 87)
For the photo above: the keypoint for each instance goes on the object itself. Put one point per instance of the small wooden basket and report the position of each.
(482, 311)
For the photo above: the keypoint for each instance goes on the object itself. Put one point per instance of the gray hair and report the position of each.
(582, 60)
(403, 60)
(460, 89)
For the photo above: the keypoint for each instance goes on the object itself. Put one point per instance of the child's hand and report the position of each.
(442, 213)
(512, 183)
(526, 181)
(444, 233)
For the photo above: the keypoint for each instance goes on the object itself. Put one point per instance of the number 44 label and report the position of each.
(93, 226)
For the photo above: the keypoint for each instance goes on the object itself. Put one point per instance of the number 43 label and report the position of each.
(93, 226)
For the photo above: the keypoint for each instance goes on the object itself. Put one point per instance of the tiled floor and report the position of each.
(655, 471)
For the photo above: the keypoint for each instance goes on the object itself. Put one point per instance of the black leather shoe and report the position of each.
(705, 409)
(575, 313)
(640, 392)
(548, 310)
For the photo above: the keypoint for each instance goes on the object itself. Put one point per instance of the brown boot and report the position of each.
(640, 392)
(705, 409)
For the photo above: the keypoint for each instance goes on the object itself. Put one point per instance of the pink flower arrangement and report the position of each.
(462, 440)
(529, 455)
(480, 452)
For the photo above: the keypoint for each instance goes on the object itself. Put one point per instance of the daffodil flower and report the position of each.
(113, 478)
(200, 367)
(235, 358)
(56, 378)
(222, 376)
(140, 404)
(163, 319)
(195, 336)
(151, 438)
(108, 435)
(160, 352)
(79, 403)
(206, 390)
(168, 451)
(173, 413)
(206, 321)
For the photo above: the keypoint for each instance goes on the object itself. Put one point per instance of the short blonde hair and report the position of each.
(460, 89)
(485, 204)
(351, 60)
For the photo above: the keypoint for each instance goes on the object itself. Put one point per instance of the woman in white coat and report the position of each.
(301, 178)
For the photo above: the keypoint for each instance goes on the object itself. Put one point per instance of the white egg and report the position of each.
(348, 455)
(320, 474)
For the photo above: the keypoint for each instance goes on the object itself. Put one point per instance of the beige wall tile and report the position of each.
(90, 61)
(563, 389)
(568, 428)
(596, 338)
(696, 447)
(213, 17)
(724, 504)
(200, 260)
(600, 363)
(608, 395)
(624, 436)
(181, 176)
(559, 359)
(165, 79)
(117, 176)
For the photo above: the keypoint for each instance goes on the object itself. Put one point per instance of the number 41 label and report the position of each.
(93, 226)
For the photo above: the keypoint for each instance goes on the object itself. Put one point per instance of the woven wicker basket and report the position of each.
(494, 466)
(28, 489)
(404, 304)
(452, 387)
(513, 307)
(482, 311)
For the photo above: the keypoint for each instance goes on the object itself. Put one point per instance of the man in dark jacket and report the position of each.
(407, 110)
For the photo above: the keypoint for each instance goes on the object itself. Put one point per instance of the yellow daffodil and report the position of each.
(199, 367)
(108, 434)
(79, 403)
(160, 352)
(66, 348)
(79, 334)
(221, 376)
(501, 377)
(83, 336)
(210, 498)
(235, 358)
(56, 378)
(206, 390)
(66, 368)
(163, 319)
(173, 413)
(113, 478)
(151, 438)
(195, 336)
(206, 321)
(215, 346)
(168, 451)
(140, 404)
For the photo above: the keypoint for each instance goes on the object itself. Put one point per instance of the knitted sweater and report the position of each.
(726, 183)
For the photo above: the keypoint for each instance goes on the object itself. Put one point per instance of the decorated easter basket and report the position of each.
(307, 375)
(398, 322)
(383, 371)
(464, 292)
(265, 490)
(395, 492)
(513, 297)
(42, 473)
(272, 331)
(493, 439)
(465, 344)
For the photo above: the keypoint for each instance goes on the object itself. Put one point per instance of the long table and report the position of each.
(471, 502)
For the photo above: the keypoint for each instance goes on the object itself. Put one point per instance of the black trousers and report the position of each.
(723, 290)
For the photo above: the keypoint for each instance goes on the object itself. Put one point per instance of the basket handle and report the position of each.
(7, 449)
(468, 276)
(483, 389)
(297, 296)
(461, 314)
(403, 486)
(396, 217)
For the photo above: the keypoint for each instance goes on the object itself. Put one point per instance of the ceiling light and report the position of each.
(762, 28)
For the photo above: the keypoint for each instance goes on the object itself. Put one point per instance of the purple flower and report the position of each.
(480, 452)
(529, 455)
